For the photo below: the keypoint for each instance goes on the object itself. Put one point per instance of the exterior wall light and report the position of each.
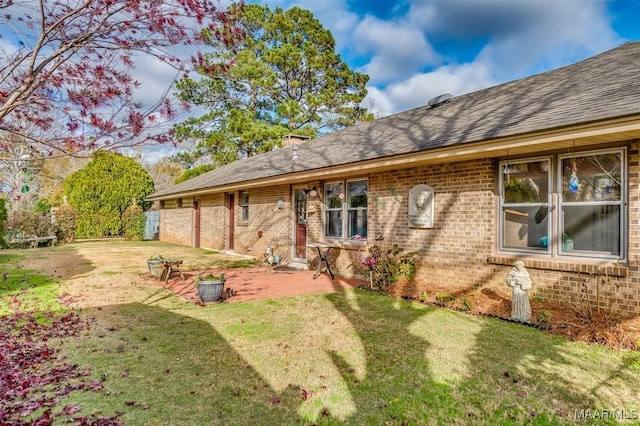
(310, 191)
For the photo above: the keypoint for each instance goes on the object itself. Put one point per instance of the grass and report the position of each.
(24, 289)
(353, 357)
(231, 264)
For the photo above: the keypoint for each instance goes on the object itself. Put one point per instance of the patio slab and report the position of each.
(260, 282)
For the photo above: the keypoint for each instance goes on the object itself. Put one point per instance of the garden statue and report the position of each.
(520, 281)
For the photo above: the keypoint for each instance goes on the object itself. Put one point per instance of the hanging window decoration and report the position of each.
(574, 182)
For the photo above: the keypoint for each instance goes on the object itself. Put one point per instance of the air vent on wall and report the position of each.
(439, 100)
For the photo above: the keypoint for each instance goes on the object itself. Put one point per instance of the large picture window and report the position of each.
(589, 218)
(350, 204)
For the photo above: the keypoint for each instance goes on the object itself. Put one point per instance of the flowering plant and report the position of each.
(387, 264)
(368, 261)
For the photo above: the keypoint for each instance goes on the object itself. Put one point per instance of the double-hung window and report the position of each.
(582, 214)
(592, 203)
(345, 209)
(244, 205)
(526, 203)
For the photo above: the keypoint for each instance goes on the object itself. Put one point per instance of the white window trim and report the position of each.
(244, 202)
(548, 204)
(344, 209)
(555, 205)
(622, 204)
(348, 208)
(325, 210)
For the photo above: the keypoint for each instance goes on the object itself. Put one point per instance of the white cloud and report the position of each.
(414, 57)
(155, 78)
(418, 89)
(551, 42)
(398, 49)
(521, 37)
(516, 39)
(7, 49)
(464, 19)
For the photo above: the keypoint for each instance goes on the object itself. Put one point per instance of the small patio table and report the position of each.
(170, 266)
(323, 257)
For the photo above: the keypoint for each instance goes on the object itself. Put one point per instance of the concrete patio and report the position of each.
(259, 282)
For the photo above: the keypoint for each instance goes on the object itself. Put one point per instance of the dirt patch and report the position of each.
(602, 328)
(103, 273)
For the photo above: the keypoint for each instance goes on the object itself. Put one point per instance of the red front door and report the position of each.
(300, 224)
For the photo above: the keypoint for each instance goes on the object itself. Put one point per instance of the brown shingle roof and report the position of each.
(603, 87)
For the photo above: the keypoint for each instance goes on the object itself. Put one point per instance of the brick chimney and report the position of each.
(289, 140)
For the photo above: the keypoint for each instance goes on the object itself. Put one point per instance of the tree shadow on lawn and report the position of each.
(421, 365)
(184, 374)
(428, 364)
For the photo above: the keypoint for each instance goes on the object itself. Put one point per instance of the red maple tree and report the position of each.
(66, 82)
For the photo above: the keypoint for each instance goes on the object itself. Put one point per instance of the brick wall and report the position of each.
(459, 252)
(563, 280)
(266, 219)
(464, 220)
(176, 224)
(213, 216)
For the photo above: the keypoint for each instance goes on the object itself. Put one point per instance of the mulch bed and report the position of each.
(604, 328)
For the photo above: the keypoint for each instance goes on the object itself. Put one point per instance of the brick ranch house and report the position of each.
(545, 169)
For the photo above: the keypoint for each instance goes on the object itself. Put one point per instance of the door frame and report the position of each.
(196, 223)
(294, 222)
(231, 220)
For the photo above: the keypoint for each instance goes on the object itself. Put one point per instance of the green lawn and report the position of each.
(24, 289)
(354, 358)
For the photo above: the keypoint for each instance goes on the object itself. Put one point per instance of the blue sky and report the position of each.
(414, 50)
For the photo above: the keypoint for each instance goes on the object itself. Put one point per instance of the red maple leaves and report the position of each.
(34, 379)
(72, 63)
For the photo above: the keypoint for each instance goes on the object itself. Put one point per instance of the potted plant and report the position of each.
(155, 266)
(210, 287)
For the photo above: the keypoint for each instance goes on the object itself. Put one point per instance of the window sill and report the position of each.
(345, 244)
(609, 268)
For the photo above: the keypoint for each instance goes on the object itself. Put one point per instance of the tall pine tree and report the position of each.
(282, 76)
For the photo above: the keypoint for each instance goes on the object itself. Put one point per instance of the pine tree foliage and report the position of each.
(282, 76)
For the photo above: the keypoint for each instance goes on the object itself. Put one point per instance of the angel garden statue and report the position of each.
(520, 281)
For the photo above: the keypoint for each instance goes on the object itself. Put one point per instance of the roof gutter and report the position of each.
(568, 137)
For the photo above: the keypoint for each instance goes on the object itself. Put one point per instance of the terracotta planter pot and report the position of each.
(210, 291)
